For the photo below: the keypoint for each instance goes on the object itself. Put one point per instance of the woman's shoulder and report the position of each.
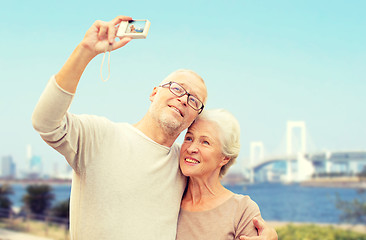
(244, 202)
(241, 198)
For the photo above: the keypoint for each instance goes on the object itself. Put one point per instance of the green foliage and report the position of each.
(61, 209)
(5, 203)
(353, 211)
(38, 198)
(313, 232)
(5, 191)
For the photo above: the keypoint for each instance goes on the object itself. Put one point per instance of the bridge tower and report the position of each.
(304, 167)
(328, 163)
(291, 125)
(256, 154)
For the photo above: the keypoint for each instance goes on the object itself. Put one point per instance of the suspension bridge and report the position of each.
(297, 164)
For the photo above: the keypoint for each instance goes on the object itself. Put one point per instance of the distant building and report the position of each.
(35, 167)
(35, 164)
(234, 178)
(8, 167)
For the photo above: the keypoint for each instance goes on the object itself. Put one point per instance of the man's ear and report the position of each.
(153, 93)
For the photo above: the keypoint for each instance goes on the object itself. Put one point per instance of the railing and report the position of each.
(37, 224)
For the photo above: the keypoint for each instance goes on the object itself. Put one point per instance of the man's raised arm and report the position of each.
(60, 130)
(99, 38)
(53, 104)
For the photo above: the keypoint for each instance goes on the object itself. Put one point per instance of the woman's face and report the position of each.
(201, 153)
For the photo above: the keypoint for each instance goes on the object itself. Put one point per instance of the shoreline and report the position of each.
(36, 181)
(345, 226)
(339, 182)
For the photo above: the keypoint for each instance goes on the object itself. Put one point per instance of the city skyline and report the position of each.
(281, 61)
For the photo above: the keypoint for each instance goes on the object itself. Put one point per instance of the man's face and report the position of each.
(172, 112)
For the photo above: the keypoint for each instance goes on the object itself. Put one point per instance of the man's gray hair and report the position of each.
(181, 71)
(185, 71)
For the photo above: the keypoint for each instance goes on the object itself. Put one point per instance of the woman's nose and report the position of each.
(192, 148)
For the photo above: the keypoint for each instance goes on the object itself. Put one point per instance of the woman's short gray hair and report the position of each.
(229, 130)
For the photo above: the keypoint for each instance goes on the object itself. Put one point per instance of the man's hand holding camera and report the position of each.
(101, 36)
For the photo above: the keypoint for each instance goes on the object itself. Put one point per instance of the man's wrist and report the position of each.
(84, 51)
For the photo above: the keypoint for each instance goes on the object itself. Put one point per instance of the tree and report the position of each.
(61, 209)
(5, 203)
(354, 211)
(38, 198)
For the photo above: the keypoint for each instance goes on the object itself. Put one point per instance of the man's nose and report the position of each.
(183, 99)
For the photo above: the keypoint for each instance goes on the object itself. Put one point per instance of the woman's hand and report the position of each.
(101, 36)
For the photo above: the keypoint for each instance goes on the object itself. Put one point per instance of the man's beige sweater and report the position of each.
(124, 186)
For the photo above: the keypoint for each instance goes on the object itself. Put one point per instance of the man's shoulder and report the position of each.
(175, 148)
(98, 122)
(95, 118)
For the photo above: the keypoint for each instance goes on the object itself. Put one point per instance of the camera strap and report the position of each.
(109, 49)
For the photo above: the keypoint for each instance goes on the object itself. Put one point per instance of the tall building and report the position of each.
(35, 166)
(8, 167)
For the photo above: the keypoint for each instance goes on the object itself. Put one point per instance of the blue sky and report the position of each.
(265, 61)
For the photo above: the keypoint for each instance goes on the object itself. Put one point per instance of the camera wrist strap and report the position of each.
(109, 49)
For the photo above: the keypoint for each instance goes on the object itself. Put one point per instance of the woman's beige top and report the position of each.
(230, 220)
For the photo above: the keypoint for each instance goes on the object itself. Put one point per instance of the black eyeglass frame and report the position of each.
(185, 93)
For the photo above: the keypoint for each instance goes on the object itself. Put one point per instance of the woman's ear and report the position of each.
(153, 93)
(225, 160)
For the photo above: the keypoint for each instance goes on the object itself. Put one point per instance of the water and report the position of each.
(277, 202)
(61, 193)
(296, 203)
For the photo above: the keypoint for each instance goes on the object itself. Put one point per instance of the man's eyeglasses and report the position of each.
(179, 91)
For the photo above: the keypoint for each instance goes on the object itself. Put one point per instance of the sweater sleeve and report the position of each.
(51, 120)
(246, 226)
(51, 107)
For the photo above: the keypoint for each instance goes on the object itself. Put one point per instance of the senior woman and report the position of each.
(208, 209)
